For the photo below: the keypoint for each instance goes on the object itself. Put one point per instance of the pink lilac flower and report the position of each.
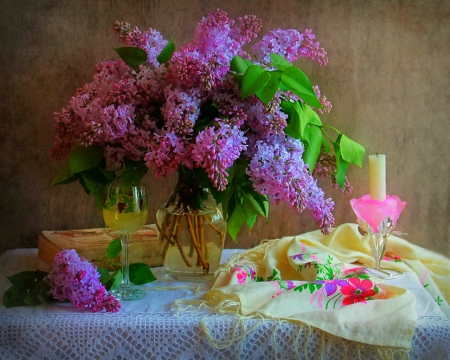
(277, 170)
(216, 149)
(326, 105)
(357, 290)
(75, 279)
(165, 154)
(264, 123)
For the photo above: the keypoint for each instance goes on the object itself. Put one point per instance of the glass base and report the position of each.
(128, 293)
(188, 276)
(385, 274)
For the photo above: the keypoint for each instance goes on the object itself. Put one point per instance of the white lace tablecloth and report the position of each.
(152, 328)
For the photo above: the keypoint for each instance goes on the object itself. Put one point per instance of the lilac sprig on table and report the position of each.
(77, 280)
(204, 110)
(74, 279)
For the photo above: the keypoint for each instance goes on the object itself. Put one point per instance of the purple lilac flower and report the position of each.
(290, 44)
(216, 149)
(264, 123)
(283, 42)
(205, 61)
(277, 170)
(75, 279)
(181, 110)
(218, 34)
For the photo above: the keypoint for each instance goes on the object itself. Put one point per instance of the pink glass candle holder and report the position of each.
(378, 219)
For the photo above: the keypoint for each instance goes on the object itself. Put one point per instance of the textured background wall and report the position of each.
(387, 79)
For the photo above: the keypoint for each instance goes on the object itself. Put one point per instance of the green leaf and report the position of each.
(166, 53)
(84, 158)
(64, 176)
(279, 61)
(117, 280)
(14, 296)
(252, 207)
(295, 127)
(351, 151)
(299, 84)
(98, 175)
(267, 93)
(236, 219)
(130, 177)
(133, 173)
(32, 299)
(326, 146)
(109, 279)
(311, 117)
(342, 165)
(90, 185)
(26, 279)
(44, 291)
(140, 274)
(104, 274)
(313, 145)
(251, 221)
(114, 248)
(85, 186)
(238, 64)
(255, 78)
(132, 56)
(99, 196)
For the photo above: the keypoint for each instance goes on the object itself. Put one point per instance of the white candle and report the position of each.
(377, 167)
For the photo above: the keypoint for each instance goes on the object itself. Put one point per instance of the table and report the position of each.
(153, 328)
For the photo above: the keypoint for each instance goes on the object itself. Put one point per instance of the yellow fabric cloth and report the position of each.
(284, 279)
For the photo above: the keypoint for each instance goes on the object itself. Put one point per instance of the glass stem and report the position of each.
(378, 249)
(125, 240)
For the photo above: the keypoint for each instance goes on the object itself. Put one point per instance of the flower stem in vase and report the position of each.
(191, 241)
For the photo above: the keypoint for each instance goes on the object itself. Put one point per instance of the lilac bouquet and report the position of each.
(243, 125)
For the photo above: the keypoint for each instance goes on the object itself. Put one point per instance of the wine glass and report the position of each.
(125, 210)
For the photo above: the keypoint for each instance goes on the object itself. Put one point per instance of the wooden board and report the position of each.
(92, 243)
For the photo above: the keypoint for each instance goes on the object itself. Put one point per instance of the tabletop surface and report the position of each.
(163, 310)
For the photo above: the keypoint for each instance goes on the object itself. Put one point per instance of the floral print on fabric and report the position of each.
(358, 290)
(244, 273)
(322, 281)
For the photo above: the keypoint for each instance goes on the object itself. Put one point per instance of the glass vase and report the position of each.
(191, 239)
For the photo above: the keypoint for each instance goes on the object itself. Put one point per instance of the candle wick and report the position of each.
(377, 154)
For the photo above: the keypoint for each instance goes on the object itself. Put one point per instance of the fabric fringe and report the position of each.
(251, 254)
(301, 347)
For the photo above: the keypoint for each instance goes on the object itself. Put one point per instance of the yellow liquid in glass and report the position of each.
(126, 222)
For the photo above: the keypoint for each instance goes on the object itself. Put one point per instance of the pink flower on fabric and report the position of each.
(375, 211)
(244, 273)
(241, 275)
(357, 290)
